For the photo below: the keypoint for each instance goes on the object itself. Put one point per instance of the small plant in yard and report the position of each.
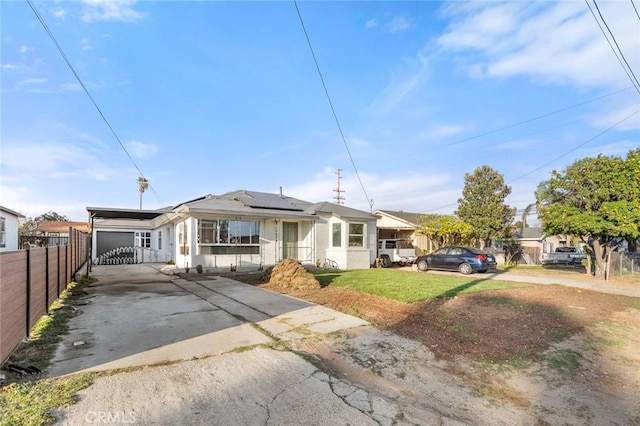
(171, 262)
(25, 400)
(564, 361)
(199, 269)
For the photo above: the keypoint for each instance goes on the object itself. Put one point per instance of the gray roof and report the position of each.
(116, 213)
(413, 218)
(339, 210)
(530, 234)
(240, 203)
(11, 212)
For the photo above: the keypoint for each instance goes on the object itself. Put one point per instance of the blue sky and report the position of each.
(210, 97)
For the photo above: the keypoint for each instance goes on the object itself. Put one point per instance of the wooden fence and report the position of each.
(30, 281)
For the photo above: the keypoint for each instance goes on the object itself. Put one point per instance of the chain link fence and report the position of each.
(624, 264)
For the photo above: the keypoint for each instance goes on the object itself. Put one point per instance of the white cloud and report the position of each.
(24, 48)
(70, 87)
(403, 83)
(397, 24)
(85, 44)
(9, 67)
(140, 149)
(358, 142)
(625, 116)
(442, 131)
(371, 23)
(110, 10)
(388, 191)
(555, 43)
(59, 13)
(32, 80)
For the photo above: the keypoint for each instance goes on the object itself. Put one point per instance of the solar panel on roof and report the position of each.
(268, 201)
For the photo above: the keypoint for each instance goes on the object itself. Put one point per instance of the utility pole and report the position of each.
(338, 197)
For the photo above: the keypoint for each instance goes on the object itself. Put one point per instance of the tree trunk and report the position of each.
(601, 252)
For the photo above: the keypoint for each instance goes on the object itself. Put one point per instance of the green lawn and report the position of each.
(407, 286)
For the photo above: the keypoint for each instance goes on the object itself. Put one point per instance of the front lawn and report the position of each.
(406, 286)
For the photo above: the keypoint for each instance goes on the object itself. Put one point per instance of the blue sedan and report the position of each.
(465, 260)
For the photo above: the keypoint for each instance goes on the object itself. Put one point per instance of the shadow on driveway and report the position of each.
(136, 315)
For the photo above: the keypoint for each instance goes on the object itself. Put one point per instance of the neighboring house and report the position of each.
(399, 224)
(56, 233)
(534, 242)
(240, 229)
(9, 224)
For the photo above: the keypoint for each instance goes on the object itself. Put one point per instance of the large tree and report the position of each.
(597, 199)
(445, 229)
(482, 204)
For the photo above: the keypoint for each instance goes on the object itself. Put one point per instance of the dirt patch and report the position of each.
(554, 354)
(290, 275)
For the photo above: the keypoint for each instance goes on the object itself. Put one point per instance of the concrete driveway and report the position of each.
(136, 315)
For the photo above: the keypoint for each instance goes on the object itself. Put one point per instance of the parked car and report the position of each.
(564, 255)
(465, 260)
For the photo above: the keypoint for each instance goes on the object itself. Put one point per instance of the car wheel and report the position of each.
(423, 265)
(386, 261)
(465, 268)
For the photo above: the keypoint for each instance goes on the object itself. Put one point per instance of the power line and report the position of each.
(629, 72)
(576, 147)
(84, 87)
(529, 120)
(634, 8)
(333, 111)
(527, 135)
(616, 43)
(557, 158)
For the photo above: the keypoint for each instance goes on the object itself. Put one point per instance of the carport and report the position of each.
(110, 240)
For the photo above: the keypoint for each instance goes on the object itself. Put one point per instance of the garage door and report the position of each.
(107, 241)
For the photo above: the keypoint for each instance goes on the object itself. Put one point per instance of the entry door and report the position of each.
(290, 240)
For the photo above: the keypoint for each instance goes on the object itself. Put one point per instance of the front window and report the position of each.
(143, 239)
(356, 235)
(229, 236)
(3, 232)
(183, 238)
(337, 235)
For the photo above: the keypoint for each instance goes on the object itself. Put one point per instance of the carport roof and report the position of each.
(112, 213)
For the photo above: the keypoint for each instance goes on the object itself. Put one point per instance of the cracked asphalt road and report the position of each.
(257, 387)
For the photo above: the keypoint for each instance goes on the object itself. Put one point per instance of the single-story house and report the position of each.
(9, 225)
(535, 242)
(239, 229)
(399, 224)
(56, 233)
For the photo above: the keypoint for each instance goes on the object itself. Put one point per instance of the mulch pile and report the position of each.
(290, 275)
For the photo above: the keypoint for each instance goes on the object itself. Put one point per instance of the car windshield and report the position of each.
(475, 250)
(404, 244)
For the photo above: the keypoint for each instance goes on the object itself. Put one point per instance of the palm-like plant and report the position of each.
(143, 184)
(525, 213)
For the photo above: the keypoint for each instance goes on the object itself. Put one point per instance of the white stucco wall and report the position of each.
(270, 254)
(11, 231)
(347, 257)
